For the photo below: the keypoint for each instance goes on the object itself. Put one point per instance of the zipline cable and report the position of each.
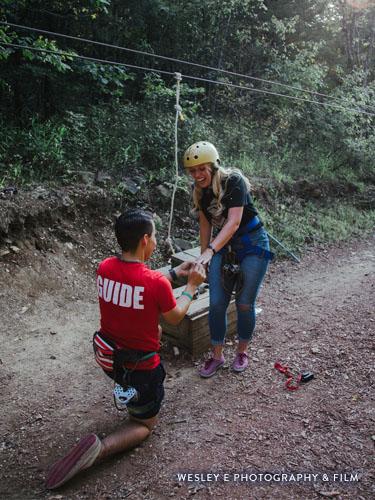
(245, 87)
(87, 58)
(180, 61)
(155, 70)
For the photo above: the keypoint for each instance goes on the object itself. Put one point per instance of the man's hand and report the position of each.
(197, 274)
(183, 269)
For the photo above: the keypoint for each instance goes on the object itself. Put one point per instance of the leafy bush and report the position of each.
(30, 154)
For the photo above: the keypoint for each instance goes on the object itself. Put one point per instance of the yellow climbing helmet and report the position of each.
(200, 152)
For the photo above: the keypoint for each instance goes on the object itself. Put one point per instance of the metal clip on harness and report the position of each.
(122, 397)
(231, 274)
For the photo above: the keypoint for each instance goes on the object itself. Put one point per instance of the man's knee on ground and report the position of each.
(150, 423)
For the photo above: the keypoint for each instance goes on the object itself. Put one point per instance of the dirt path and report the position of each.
(317, 316)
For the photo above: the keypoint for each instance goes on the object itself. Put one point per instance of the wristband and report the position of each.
(173, 274)
(187, 295)
(212, 248)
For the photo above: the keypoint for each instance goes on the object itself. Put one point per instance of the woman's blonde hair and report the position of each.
(219, 174)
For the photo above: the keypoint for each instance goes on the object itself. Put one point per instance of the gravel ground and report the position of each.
(245, 428)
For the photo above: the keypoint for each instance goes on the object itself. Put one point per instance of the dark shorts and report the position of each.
(150, 387)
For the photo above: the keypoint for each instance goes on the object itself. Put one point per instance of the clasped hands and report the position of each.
(194, 271)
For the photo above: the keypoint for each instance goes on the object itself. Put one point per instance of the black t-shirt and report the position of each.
(236, 195)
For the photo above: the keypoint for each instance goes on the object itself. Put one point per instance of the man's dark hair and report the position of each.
(131, 226)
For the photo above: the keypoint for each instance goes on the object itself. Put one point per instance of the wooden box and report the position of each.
(186, 255)
(193, 333)
(179, 258)
(175, 284)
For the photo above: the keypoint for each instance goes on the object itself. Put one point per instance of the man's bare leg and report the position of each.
(90, 449)
(127, 437)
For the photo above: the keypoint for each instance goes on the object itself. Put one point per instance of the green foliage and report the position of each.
(301, 224)
(157, 93)
(33, 154)
(59, 60)
(63, 114)
(359, 137)
(110, 80)
(101, 139)
(5, 37)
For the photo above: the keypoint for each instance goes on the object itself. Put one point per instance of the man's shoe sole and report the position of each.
(82, 456)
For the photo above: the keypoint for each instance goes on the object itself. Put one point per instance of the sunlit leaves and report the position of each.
(110, 79)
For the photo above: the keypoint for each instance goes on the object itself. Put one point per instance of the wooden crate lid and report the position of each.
(175, 284)
(185, 256)
(200, 305)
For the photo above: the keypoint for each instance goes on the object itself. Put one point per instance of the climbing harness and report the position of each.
(111, 359)
(291, 384)
(242, 245)
(235, 251)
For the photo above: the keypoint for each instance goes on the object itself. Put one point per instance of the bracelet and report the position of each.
(212, 248)
(173, 274)
(187, 295)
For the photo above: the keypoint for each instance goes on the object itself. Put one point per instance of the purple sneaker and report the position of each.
(240, 362)
(211, 366)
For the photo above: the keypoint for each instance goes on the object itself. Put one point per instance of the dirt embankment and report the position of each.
(81, 214)
(317, 316)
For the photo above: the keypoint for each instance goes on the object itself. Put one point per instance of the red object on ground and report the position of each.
(289, 383)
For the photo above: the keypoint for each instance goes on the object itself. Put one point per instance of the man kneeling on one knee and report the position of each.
(131, 299)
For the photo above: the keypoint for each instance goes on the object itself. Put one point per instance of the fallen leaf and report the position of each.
(329, 494)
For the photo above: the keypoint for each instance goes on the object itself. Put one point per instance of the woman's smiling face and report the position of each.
(202, 175)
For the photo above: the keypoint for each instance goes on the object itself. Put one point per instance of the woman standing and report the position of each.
(233, 243)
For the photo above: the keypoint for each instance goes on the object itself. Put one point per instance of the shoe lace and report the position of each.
(241, 357)
(208, 363)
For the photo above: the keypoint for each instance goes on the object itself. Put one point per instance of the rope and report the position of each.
(294, 257)
(178, 115)
(126, 65)
(180, 61)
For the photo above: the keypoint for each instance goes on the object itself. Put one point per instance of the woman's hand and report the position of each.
(205, 257)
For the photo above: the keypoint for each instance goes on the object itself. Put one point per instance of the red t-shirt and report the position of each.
(131, 298)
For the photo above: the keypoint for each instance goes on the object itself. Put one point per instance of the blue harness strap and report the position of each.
(247, 248)
(241, 242)
(253, 225)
